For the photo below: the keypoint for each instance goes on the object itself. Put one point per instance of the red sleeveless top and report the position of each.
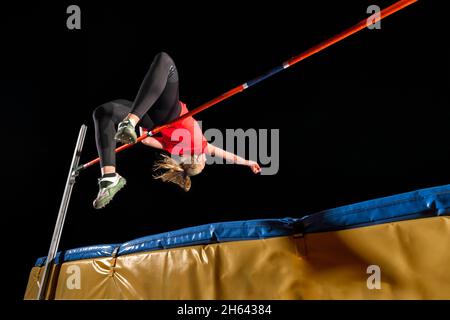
(184, 137)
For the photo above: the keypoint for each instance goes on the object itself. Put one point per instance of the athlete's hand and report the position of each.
(254, 166)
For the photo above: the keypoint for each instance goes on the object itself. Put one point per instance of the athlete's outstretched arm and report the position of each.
(233, 158)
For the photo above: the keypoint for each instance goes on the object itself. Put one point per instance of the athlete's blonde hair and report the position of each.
(178, 172)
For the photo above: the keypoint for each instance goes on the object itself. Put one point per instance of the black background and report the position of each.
(366, 118)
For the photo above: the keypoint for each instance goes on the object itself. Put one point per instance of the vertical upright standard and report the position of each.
(61, 214)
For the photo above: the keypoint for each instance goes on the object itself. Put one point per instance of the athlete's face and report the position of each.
(200, 159)
(195, 164)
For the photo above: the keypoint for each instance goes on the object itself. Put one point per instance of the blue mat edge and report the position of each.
(417, 204)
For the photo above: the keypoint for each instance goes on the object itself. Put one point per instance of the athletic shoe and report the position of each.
(108, 188)
(126, 133)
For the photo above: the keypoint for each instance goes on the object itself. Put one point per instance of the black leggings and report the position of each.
(156, 103)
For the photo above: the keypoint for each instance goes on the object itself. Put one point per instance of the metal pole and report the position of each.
(62, 214)
(321, 46)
